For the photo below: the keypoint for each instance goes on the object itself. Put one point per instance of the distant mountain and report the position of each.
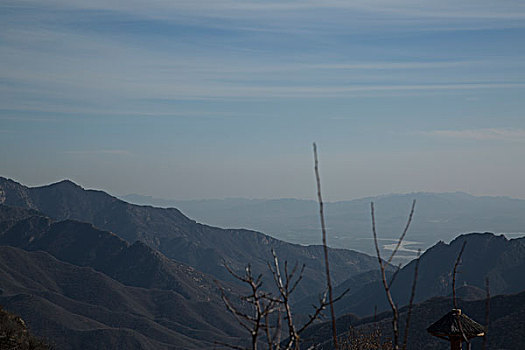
(439, 216)
(79, 308)
(486, 255)
(506, 324)
(204, 247)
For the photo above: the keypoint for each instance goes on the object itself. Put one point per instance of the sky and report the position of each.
(223, 98)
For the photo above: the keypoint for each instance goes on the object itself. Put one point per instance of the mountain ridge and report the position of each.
(486, 255)
(438, 216)
(204, 247)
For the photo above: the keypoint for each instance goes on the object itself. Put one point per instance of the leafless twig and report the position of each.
(454, 299)
(411, 303)
(260, 301)
(394, 275)
(402, 237)
(286, 284)
(458, 260)
(487, 310)
(325, 248)
(383, 265)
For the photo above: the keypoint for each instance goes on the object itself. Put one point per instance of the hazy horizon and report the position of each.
(314, 199)
(223, 98)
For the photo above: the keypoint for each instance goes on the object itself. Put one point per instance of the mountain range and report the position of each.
(486, 255)
(73, 280)
(203, 247)
(87, 270)
(438, 216)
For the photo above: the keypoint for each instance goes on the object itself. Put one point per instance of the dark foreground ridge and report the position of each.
(80, 308)
(15, 335)
(506, 324)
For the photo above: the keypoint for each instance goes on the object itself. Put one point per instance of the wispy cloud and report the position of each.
(116, 152)
(25, 119)
(499, 134)
(53, 66)
(484, 9)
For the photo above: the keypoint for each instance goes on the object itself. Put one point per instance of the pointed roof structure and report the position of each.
(456, 323)
(456, 327)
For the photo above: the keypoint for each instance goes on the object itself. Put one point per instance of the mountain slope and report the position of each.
(486, 255)
(84, 245)
(169, 231)
(506, 324)
(78, 307)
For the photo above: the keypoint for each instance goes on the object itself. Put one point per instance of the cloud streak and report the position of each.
(489, 134)
(479, 9)
(113, 152)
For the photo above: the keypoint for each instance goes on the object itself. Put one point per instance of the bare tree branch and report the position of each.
(394, 275)
(411, 303)
(385, 283)
(487, 310)
(325, 247)
(262, 304)
(454, 299)
(285, 296)
(402, 237)
(382, 266)
(294, 286)
(236, 313)
(458, 260)
(230, 345)
(318, 309)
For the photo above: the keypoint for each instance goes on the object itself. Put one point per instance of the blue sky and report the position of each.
(216, 98)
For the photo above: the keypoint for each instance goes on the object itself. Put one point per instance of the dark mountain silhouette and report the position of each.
(486, 255)
(178, 237)
(506, 324)
(80, 308)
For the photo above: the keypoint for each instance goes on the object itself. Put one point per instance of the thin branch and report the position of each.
(285, 295)
(402, 237)
(383, 278)
(382, 266)
(298, 279)
(267, 328)
(262, 305)
(325, 247)
(318, 309)
(239, 316)
(240, 278)
(458, 260)
(487, 310)
(277, 335)
(454, 299)
(411, 303)
(394, 275)
(230, 345)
